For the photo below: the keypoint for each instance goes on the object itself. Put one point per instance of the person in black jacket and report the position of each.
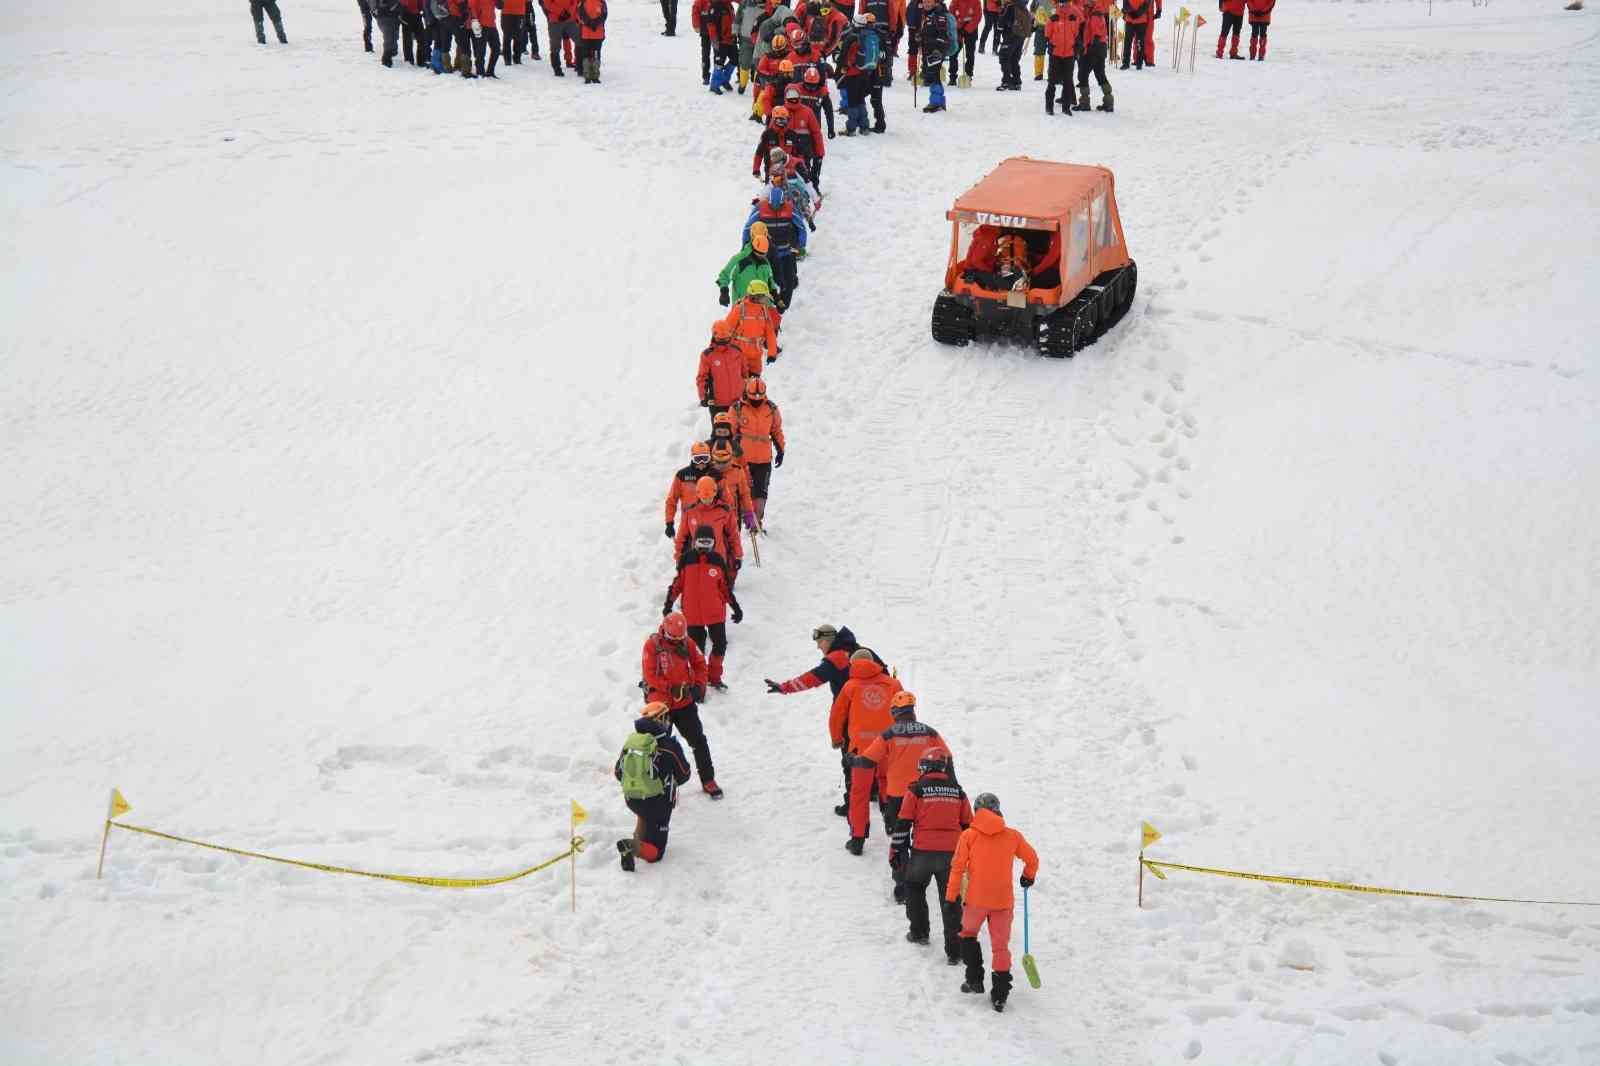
(387, 12)
(366, 22)
(668, 768)
(836, 646)
(928, 824)
(933, 41)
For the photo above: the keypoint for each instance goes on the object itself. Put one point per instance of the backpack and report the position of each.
(1021, 21)
(942, 36)
(871, 48)
(639, 780)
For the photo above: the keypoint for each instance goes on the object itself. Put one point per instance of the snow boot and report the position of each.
(920, 939)
(932, 109)
(1038, 68)
(1222, 39)
(625, 849)
(1233, 49)
(1083, 98)
(972, 955)
(999, 989)
(952, 960)
(842, 809)
(1252, 48)
(261, 36)
(712, 790)
(1106, 105)
(855, 844)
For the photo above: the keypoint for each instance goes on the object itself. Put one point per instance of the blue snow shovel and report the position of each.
(1029, 967)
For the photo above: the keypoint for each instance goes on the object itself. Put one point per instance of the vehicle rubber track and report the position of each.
(953, 322)
(1096, 309)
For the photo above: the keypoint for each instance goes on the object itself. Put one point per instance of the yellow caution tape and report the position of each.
(1155, 866)
(410, 879)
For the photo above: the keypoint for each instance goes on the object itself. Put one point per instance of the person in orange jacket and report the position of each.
(892, 759)
(1136, 17)
(724, 431)
(755, 325)
(761, 440)
(1232, 20)
(860, 714)
(681, 492)
(710, 510)
(591, 37)
(720, 379)
(702, 585)
(1260, 19)
(982, 864)
(674, 672)
(734, 481)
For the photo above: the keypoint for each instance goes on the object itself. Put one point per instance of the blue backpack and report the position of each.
(871, 48)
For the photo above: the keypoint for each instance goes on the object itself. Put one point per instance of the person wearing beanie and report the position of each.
(983, 859)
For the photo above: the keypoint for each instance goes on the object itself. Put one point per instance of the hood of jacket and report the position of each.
(987, 822)
(864, 669)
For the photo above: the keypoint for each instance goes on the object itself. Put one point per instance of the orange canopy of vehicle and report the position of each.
(1036, 188)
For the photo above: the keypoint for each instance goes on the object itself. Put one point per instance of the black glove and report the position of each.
(777, 458)
(722, 296)
(670, 531)
(738, 614)
(773, 688)
(699, 693)
(1027, 882)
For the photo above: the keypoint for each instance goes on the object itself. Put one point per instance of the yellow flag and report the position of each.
(119, 806)
(1150, 835)
(578, 813)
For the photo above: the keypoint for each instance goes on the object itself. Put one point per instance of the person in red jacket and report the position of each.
(984, 854)
(803, 123)
(1136, 17)
(825, 24)
(1232, 20)
(991, 24)
(1092, 59)
(514, 30)
(932, 815)
(1150, 33)
(713, 21)
(709, 509)
(485, 37)
(674, 672)
(561, 29)
(720, 380)
(969, 17)
(1063, 32)
(591, 37)
(702, 585)
(1260, 19)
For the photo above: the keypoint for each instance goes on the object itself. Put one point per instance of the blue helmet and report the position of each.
(775, 196)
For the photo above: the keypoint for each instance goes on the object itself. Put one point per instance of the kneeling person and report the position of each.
(651, 767)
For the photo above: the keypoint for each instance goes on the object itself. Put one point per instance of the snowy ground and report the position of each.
(338, 406)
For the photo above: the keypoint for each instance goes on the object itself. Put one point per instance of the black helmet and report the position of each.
(987, 801)
(705, 538)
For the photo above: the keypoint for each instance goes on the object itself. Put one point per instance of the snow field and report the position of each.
(309, 356)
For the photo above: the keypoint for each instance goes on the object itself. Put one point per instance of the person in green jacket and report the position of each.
(748, 264)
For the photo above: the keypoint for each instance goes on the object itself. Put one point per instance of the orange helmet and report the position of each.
(786, 68)
(902, 703)
(755, 389)
(658, 709)
(720, 330)
(723, 418)
(779, 42)
(722, 452)
(780, 114)
(675, 626)
(705, 489)
(758, 229)
(759, 242)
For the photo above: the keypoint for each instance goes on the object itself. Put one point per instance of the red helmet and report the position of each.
(934, 761)
(674, 626)
(812, 76)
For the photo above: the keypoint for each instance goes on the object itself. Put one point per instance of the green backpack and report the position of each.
(639, 780)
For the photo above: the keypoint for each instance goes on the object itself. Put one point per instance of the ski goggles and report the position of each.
(824, 631)
(700, 460)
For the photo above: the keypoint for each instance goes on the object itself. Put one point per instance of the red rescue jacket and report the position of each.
(592, 19)
(968, 13)
(721, 375)
(935, 811)
(702, 583)
(671, 671)
(1260, 10)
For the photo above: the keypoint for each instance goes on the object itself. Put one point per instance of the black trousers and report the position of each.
(413, 39)
(269, 8)
(760, 478)
(488, 42)
(389, 26)
(1133, 44)
(1011, 59)
(443, 33)
(1230, 24)
(1093, 60)
(785, 273)
(669, 15)
(883, 76)
(1258, 31)
(513, 30)
(686, 721)
(922, 867)
(969, 41)
(718, 633)
(588, 50)
(366, 23)
(655, 821)
(889, 811)
(1060, 74)
(991, 24)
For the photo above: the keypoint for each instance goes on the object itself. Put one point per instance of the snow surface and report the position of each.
(339, 402)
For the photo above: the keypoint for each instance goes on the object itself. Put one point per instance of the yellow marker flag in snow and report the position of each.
(1149, 835)
(119, 806)
(578, 813)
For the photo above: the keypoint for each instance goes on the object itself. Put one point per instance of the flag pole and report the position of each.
(115, 807)
(572, 842)
(105, 836)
